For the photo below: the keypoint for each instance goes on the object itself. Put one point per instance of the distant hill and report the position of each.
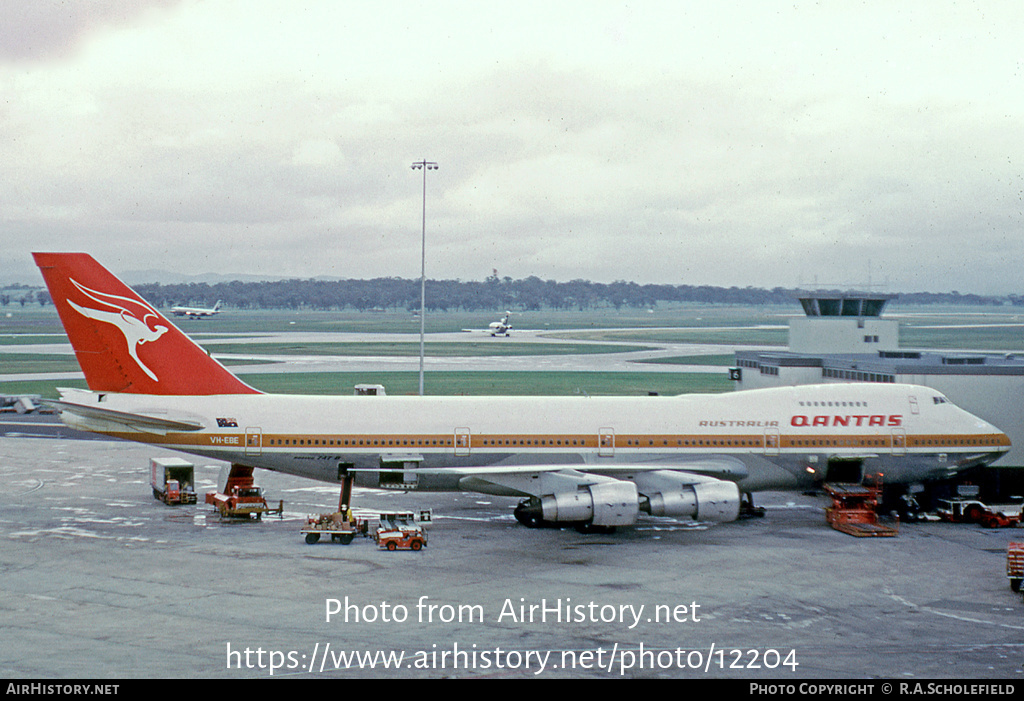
(164, 277)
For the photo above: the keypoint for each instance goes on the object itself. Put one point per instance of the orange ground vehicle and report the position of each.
(960, 510)
(999, 519)
(963, 510)
(399, 531)
(240, 497)
(853, 510)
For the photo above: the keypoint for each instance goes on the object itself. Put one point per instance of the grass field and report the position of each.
(740, 335)
(453, 383)
(496, 383)
(20, 363)
(997, 338)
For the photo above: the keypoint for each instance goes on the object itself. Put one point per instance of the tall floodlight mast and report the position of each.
(424, 166)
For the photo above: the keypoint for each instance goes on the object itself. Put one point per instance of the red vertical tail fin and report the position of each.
(123, 343)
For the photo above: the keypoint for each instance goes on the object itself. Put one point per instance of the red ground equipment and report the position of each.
(1015, 565)
(399, 531)
(960, 510)
(240, 497)
(966, 510)
(853, 510)
(999, 519)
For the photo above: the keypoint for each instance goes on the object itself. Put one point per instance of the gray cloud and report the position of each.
(656, 154)
(54, 29)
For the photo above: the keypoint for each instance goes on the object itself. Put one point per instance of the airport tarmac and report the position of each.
(98, 580)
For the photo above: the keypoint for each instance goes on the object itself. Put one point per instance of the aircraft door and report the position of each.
(606, 442)
(771, 442)
(850, 471)
(899, 441)
(253, 441)
(462, 442)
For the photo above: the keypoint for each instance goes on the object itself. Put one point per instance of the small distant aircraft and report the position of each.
(500, 328)
(196, 312)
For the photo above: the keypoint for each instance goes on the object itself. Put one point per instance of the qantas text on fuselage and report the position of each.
(854, 420)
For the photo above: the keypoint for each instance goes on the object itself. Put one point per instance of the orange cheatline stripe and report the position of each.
(548, 441)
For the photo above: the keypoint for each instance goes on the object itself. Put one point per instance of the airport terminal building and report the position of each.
(842, 338)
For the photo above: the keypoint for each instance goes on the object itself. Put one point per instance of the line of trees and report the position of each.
(528, 294)
(491, 294)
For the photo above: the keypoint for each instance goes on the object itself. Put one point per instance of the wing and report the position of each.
(705, 490)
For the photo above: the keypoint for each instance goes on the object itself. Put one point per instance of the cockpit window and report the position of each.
(939, 400)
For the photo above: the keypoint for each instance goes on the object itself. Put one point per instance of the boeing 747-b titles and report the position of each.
(591, 462)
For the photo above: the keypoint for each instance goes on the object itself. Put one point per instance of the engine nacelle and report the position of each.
(602, 504)
(716, 500)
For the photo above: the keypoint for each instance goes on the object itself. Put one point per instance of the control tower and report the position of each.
(841, 338)
(843, 322)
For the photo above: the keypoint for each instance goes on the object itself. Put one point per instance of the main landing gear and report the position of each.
(747, 508)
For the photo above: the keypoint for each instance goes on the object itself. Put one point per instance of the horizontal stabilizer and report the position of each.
(95, 418)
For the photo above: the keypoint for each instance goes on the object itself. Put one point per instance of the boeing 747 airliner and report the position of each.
(591, 462)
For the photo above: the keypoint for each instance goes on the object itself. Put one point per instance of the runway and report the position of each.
(98, 580)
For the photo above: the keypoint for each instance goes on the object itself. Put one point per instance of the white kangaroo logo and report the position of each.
(136, 331)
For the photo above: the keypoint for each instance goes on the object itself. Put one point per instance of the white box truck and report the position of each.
(173, 480)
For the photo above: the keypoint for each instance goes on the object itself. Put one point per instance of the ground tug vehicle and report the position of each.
(399, 531)
(968, 510)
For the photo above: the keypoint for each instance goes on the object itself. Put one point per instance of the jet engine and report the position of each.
(668, 493)
(604, 504)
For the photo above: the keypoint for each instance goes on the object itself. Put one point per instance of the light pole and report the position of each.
(424, 166)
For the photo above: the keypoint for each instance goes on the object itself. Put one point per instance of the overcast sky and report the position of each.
(725, 143)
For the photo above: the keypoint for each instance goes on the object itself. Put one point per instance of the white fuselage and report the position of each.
(761, 439)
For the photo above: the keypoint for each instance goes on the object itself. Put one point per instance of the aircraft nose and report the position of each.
(1000, 443)
(999, 437)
